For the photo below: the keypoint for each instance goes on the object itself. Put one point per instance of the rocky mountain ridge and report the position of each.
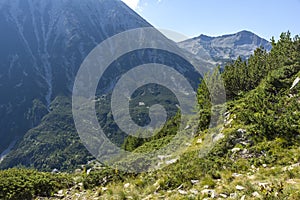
(219, 50)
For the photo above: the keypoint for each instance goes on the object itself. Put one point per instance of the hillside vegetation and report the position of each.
(257, 155)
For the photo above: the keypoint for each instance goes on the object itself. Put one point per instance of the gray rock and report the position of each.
(194, 181)
(256, 194)
(296, 81)
(236, 175)
(187, 127)
(224, 196)
(241, 131)
(182, 192)
(172, 161)
(199, 141)
(218, 137)
(142, 104)
(235, 150)
(55, 171)
(239, 187)
(263, 185)
(265, 165)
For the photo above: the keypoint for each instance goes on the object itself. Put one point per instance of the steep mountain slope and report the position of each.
(53, 144)
(42, 47)
(224, 48)
(43, 44)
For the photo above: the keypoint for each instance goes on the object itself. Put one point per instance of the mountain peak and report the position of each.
(244, 33)
(205, 37)
(225, 47)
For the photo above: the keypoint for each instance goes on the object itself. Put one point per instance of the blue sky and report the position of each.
(266, 18)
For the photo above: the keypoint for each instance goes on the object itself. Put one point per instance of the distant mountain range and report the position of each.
(219, 50)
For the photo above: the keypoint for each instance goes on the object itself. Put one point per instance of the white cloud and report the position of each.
(132, 3)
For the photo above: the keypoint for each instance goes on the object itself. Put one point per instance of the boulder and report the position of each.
(239, 187)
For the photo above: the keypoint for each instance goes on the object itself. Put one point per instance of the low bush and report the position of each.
(26, 183)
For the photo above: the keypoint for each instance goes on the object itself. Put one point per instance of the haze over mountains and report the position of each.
(41, 48)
